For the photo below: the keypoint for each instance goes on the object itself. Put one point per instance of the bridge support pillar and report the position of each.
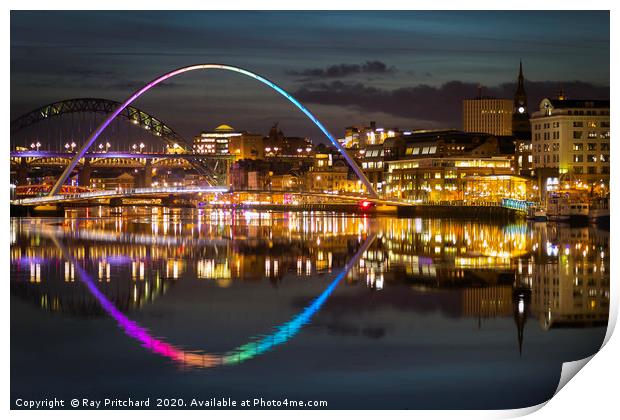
(22, 172)
(84, 174)
(148, 173)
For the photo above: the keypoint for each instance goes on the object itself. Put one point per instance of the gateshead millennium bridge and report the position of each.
(115, 109)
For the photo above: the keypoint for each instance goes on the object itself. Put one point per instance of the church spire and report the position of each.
(520, 96)
(520, 117)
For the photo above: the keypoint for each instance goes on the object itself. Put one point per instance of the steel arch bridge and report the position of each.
(99, 106)
(210, 66)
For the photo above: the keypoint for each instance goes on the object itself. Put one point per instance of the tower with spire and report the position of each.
(520, 116)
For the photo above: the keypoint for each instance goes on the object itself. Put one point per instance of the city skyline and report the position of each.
(357, 77)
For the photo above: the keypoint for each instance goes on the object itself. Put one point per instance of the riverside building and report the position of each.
(570, 139)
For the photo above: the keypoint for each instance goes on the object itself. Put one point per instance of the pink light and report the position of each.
(93, 137)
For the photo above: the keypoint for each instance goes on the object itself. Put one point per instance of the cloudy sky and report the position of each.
(404, 69)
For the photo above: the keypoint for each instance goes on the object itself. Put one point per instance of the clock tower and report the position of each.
(520, 117)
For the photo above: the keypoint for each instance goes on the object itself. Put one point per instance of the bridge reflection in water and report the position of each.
(558, 275)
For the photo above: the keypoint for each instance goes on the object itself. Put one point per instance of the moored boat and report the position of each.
(566, 207)
(537, 214)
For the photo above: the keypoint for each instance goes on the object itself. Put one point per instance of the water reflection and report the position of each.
(110, 266)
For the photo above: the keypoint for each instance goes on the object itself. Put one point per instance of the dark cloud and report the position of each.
(440, 106)
(344, 70)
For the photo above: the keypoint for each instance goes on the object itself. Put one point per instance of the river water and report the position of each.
(360, 312)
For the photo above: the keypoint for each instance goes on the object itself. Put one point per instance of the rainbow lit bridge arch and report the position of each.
(93, 137)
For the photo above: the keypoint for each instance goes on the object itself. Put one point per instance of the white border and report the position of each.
(592, 395)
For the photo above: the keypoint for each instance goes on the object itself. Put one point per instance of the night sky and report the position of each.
(405, 69)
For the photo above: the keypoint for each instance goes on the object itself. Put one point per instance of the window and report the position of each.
(577, 134)
(604, 158)
(591, 169)
(605, 124)
(577, 123)
(577, 147)
(577, 158)
(591, 124)
(605, 135)
(591, 158)
(604, 146)
(591, 146)
(592, 134)
(578, 169)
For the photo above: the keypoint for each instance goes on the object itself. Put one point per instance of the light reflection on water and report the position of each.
(151, 260)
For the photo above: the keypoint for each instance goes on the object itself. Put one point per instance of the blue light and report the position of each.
(93, 137)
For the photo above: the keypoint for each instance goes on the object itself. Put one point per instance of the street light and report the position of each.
(67, 145)
(73, 145)
(141, 147)
(107, 146)
(38, 145)
(32, 146)
(134, 147)
(100, 146)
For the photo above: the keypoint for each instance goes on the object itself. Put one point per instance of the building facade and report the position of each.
(463, 179)
(215, 142)
(572, 137)
(488, 115)
(362, 136)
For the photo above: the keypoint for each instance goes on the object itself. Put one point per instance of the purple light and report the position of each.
(93, 137)
(118, 259)
(281, 334)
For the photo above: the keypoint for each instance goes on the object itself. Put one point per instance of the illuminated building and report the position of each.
(328, 177)
(282, 182)
(280, 146)
(571, 136)
(523, 163)
(123, 181)
(426, 144)
(215, 142)
(362, 136)
(444, 179)
(247, 146)
(373, 165)
(487, 115)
